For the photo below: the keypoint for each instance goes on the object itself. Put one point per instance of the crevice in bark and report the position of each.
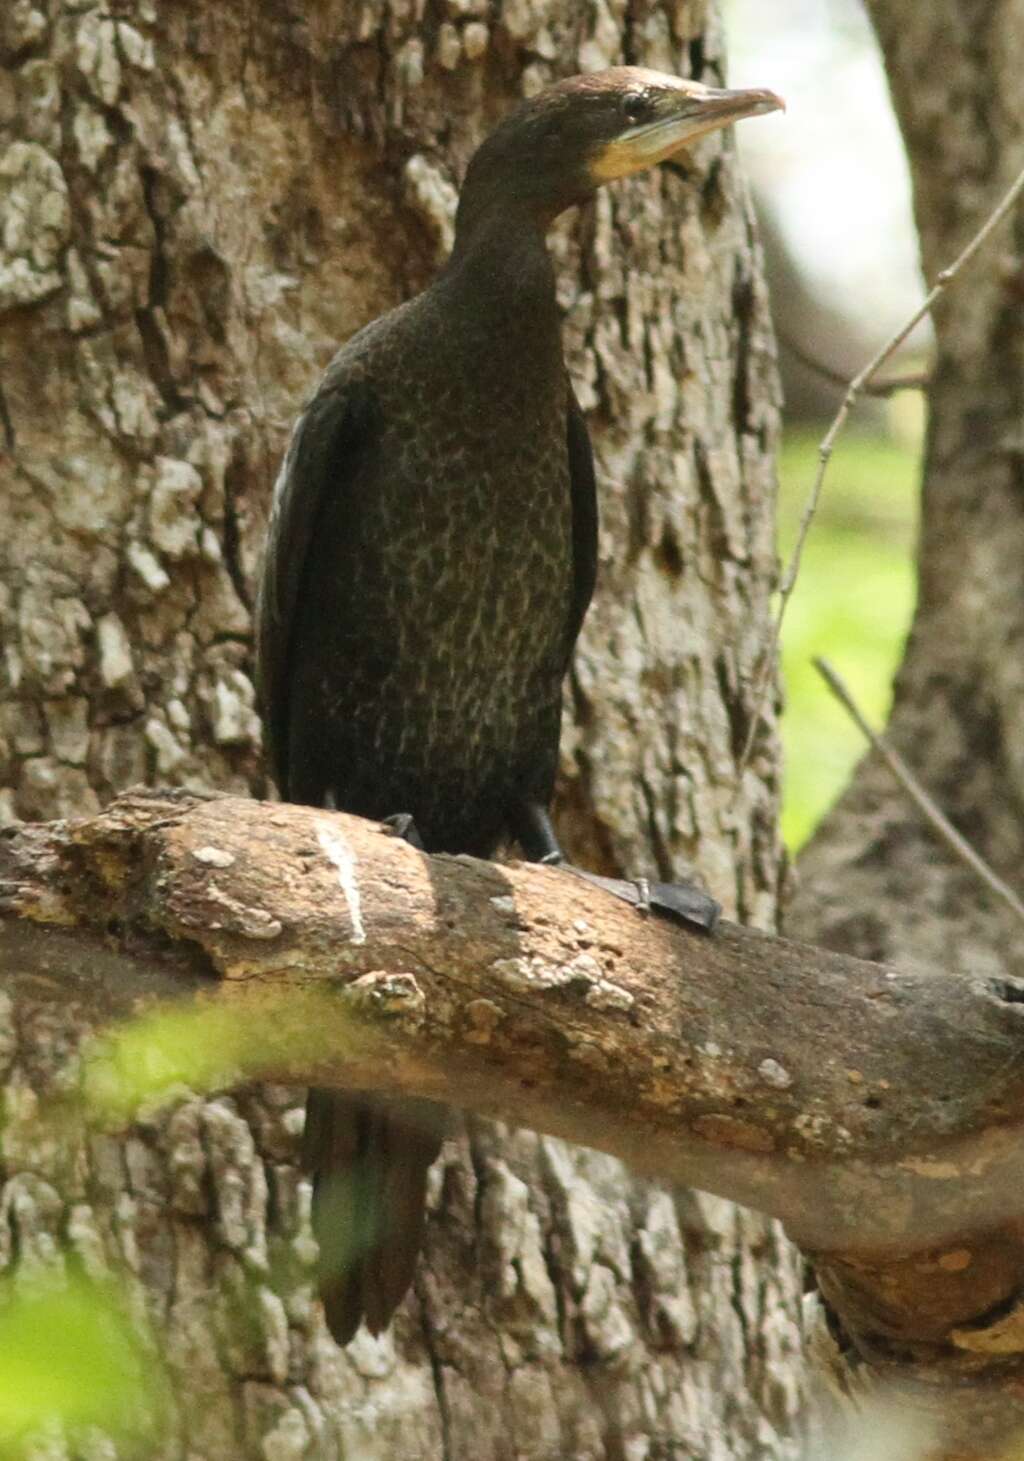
(153, 343)
(695, 51)
(739, 720)
(742, 303)
(6, 422)
(231, 543)
(437, 1374)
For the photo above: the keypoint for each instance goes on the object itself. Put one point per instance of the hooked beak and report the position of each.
(685, 116)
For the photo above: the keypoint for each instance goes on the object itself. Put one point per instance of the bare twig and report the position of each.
(856, 386)
(924, 803)
(916, 380)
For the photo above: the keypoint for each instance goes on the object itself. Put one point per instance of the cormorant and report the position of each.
(430, 557)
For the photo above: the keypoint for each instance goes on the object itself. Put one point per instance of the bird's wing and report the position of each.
(584, 518)
(320, 457)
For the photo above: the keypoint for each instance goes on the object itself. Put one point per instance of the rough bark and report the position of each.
(875, 881)
(204, 200)
(872, 1110)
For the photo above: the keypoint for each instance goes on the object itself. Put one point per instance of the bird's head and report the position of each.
(561, 145)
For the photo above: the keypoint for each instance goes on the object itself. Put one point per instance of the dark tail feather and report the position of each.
(369, 1161)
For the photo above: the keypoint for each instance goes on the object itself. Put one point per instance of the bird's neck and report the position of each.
(500, 264)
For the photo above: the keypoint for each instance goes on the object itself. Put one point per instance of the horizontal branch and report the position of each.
(874, 1110)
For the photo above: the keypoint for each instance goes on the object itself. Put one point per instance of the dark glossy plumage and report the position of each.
(430, 558)
(415, 664)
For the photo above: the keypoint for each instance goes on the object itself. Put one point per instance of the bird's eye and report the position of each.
(637, 106)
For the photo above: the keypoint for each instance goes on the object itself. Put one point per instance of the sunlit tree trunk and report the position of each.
(200, 202)
(876, 881)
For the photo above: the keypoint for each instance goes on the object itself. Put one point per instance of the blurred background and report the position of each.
(833, 196)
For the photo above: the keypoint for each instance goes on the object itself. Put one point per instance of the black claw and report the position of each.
(403, 825)
(530, 825)
(681, 902)
(685, 903)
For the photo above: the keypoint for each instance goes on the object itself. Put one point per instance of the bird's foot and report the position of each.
(681, 902)
(403, 825)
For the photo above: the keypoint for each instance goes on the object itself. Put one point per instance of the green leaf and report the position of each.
(72, 1354)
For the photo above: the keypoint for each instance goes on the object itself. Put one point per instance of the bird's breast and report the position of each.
(476, 506)
(437, 624)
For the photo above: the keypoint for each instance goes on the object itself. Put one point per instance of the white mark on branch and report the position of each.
(341, 855)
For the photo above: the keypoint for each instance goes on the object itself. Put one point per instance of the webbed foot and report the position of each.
(679, 901)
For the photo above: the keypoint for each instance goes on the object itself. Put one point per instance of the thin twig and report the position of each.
(854, 389)
(916, 380)
(910, 784)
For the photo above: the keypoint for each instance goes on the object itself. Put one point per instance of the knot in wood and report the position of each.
(383, 995)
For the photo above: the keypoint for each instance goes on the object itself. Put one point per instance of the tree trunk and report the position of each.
(204, 200)
(875, 881)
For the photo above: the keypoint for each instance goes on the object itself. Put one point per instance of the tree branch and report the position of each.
(874, 1110)
(915, 380)
(925, 804)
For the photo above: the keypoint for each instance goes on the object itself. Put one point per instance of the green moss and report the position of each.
(72, 1354)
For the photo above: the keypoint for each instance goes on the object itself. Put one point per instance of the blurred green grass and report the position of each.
(72, 1356)
(852, 603)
